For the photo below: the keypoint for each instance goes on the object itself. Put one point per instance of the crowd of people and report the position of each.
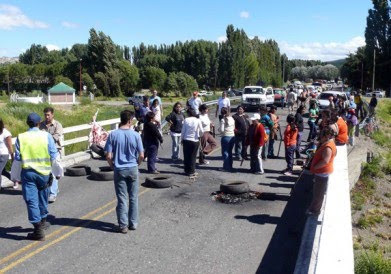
(243, 137)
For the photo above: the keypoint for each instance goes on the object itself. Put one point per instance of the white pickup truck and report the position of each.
(255, 96)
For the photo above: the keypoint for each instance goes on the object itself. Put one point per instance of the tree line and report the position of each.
(111, 70)
(375, 55)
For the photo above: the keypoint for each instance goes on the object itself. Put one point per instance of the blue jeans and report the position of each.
(126, 188)
(54, 188)
(270, 152)
(36, 200)
(176, 141)
(152, 154)
(289, 157)
(313, 131)
(227, 145)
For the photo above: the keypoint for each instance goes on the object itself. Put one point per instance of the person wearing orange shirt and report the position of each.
(342, 137)
(290, 139)
(322, 167)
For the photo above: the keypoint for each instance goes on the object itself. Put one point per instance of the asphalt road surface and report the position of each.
(182, 229)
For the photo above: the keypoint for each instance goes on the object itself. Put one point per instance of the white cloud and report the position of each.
(244, 14)
(51, 47)
(12, 17)
(69, 25)
(321, 51)
(222, 39)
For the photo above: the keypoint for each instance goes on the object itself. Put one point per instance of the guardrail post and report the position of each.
(62, 145)
(114, 126)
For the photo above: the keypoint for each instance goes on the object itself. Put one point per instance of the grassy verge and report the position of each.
(371, 202)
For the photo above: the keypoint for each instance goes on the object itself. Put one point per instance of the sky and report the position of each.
(308, 29)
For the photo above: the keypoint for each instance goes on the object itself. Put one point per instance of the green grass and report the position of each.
(383, 110)
(381, 138)
(371, 262)
(372, 169)
(369, 220)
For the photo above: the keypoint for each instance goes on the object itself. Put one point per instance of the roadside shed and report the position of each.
(61, 94)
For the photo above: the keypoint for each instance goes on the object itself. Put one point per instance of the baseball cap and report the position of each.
(34, 117)
(255, 116)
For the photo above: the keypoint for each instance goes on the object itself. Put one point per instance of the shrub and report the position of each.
(371, 262)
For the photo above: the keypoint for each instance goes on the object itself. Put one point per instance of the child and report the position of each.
(290, 139)
(352, 122)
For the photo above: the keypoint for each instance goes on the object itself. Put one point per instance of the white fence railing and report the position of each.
(113, 123)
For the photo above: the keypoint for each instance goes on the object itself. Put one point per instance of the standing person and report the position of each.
(283, 96)
(331, 103)
(195, 102)
(273, 131)
(151, 139)
(227, 129)
(175, 119)
(208, 143)
(6, 150)
(322, 167)
(300, 127)
(155, 97)
(268, 124)
(142, 111)
(55, 129)
(313, 116)
(372, 104)
(36, 154)
(290, 139)
(291, 99)
(124, 152)
(191, 133)
(223, 102)
(352, 121)
(256, 140)
(359, 104)
(341, 137)
(241, 128)
(158, 114)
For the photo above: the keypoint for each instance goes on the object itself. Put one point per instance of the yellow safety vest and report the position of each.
(34, 151)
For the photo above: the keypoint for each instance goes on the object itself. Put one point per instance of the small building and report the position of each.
(61, 94)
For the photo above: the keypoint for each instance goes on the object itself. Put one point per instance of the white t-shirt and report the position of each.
(192, 129)
(158, 114)
(223, 102)
(205, 121)
(227, 126)
(292, 97)
(3, 147)
(195, 103)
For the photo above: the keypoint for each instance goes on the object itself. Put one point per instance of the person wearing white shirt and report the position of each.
(191, 132)
(195, 102)
(208, 143)
(227, 129)
(6, 151)
(223, 102)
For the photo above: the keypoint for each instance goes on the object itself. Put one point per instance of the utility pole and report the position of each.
(283, 71)
(374, 66)
(80, 91)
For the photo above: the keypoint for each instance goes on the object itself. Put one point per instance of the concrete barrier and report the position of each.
(327, 244)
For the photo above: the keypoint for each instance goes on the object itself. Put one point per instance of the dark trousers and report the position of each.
(270, 151)
(318, 192)
(208, 144)
(289, 155)
(298, 143)
(240, 146)
(151, 156)
(190, 149)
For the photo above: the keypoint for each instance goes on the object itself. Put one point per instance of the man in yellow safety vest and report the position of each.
(36, 152)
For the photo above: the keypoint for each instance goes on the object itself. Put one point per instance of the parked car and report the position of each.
(253, 97)
(230, 93)
(269, 96)
(238, 92)
(202, 93)
(380, 93)
(136, 98)
(278, 97)
(323, 98)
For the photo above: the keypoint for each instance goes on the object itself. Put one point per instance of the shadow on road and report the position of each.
(282, 251)
(10, 191)
(11, 233)
(277, 185)
(74, 222)
(284, 178)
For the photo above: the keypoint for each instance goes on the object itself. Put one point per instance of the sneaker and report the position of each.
(16, 185)
(52, 198)
(288, 173)
(132, 227)
(205, 163)
(259, 173)
(155, 172)
(122, 230)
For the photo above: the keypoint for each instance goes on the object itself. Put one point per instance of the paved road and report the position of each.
(182, 229)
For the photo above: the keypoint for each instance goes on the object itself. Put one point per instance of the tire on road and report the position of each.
(234, 187)
(159, 181)
(102, 174)
(78, 170)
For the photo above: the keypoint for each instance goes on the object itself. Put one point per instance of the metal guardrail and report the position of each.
(113, 123)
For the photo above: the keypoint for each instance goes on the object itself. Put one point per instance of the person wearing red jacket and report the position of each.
(256, 140)
(290, 139)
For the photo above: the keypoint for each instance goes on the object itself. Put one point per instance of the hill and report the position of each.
(338, 63)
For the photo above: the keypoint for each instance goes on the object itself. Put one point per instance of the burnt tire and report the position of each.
(78, 170)
(159, 181)
(235, 187)
(102, 174)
